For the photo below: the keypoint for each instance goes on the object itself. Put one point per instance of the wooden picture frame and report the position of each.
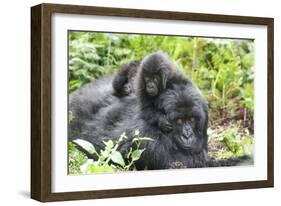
(41, 96)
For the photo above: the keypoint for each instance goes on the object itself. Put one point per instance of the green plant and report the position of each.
(232, 140)
(110, 159)
(75, 160)
(230, 74)
(248, 97)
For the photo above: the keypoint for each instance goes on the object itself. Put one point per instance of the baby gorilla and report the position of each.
(123, 82)
(154, 75)
(149, 78)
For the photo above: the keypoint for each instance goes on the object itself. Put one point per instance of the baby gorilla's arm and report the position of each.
(164, 124)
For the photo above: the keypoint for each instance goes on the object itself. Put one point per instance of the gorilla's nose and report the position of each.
(187, 132)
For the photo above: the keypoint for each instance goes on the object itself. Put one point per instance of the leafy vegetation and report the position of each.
(108, 160)
(230, 141)
(223, 70)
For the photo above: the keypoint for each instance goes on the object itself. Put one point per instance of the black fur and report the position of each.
(87, 102)
(154, 74)
(123, 82)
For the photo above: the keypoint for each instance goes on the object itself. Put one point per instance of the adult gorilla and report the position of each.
(185, 109)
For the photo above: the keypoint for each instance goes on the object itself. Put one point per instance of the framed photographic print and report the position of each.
(130, 102)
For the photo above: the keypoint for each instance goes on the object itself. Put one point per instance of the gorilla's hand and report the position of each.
(164, 125)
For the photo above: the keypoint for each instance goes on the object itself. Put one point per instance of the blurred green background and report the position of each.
(223, 70)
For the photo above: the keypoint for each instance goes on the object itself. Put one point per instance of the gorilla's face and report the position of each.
(155, 70)
(187, 112)
(188, 128)
(152, 82)
(184, 135)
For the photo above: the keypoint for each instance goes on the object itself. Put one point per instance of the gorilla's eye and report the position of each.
(156, 79)
(146, 79)
(192, 121)
(179, 121)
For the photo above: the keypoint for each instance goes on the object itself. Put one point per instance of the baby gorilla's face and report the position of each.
(127, 89)
(152, 83)
(155, 70)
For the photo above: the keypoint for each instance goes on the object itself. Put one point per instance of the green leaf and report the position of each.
(116, 157)
(137, 132)
(109, 144)
(85, 145)
(136, 154)
(105, 153)
(91, 167)
(95, 168)
(86, 167)
(108, 168)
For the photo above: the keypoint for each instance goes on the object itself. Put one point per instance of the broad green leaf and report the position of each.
(136, 154)
(116, 157)
(85, 145)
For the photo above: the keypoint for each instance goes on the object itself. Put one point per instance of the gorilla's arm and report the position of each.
(156, 118)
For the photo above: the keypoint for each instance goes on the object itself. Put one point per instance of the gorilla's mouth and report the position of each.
(152, 91)
(186, 142)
